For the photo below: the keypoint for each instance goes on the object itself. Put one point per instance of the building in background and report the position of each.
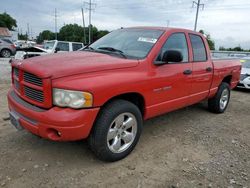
(5, 33)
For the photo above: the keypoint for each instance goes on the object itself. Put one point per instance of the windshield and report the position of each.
(245, 64)
(49, 45)
(134, 43)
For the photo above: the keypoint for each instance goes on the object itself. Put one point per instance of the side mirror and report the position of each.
(57, 49)
(172, 56)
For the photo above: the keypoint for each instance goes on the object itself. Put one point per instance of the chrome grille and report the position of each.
(34, 94)
(31, 78)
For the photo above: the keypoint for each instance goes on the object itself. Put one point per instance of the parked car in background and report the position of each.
(7, 48)
(245, 73)
(24, 44)
(49, 47)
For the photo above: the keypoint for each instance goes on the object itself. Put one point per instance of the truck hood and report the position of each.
(67, 64)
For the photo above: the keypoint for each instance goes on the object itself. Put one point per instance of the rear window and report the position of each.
(76, 46)
(199, 49)
(8, 41)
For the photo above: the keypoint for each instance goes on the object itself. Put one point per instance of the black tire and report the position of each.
(214, 103)
(5, 53)
(98, 138)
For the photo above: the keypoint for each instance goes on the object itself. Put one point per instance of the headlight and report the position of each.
(72, 99)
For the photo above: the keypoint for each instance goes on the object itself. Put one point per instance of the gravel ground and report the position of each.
(186, 148)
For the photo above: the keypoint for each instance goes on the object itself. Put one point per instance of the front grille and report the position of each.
(16, 72)
(33, 94)
(243, 77)
(17, 85)
(31, 78)
(31, 88)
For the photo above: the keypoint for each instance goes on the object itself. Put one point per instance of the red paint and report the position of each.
(164, 88)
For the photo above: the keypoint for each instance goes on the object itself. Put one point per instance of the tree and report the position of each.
(45, 35)
(22, 36)
(7, 21)
(209, 40)
(75, 33)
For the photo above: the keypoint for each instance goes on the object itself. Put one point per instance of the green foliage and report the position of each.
(72, 32)
(209, 40)
(237, 48)
(45, 35)
(7, 21)
(75, 33)
(22, 36)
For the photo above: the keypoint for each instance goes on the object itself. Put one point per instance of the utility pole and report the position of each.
(168, 21)
(55, 24)
(90, 8)
(83, 24)
(28, 31)
(198, 5)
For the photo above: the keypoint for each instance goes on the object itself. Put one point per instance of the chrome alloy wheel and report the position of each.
(122, 132)
(224, 99)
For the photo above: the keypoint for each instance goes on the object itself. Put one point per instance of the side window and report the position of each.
(199, 49)
(63, 46)
(76, 46)
(176, 41)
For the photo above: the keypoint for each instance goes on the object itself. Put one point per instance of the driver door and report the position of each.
(173, 80)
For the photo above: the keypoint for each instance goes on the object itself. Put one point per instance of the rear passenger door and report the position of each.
(202, 69)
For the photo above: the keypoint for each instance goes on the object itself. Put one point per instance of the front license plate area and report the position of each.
(14, 119)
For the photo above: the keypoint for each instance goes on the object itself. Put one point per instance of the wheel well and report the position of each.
(227, 79)
(6, 49)
(135, 98)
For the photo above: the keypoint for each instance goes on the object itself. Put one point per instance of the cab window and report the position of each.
(176, 41)
(63, 46)
(76, 46)
(198, 47)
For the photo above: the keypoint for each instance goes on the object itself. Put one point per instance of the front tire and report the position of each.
(218, 104)
(116, 131)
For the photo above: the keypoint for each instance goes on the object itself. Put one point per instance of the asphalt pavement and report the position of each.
(5, 70)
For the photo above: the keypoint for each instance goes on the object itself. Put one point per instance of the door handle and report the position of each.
(209, 69)
(187, 72)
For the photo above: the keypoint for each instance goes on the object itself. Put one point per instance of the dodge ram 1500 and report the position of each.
(106, 91)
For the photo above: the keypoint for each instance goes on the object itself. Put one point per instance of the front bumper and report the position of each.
(244, 83)
(58, 124)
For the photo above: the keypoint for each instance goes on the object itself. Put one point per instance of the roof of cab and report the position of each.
(159, 28)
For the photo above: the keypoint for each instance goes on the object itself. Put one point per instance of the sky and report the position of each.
(227, 21)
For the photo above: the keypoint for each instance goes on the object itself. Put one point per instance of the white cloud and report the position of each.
(225, 20)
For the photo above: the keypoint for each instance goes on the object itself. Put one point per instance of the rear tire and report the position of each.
(218, 104)
(5, 53)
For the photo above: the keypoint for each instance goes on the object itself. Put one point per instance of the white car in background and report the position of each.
(245, 74)
(49, 47)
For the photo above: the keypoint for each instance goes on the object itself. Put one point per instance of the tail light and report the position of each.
(13, 46)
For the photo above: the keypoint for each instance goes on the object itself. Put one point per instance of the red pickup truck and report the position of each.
(105, 91)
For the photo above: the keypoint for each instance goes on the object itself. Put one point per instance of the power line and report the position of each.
(198, 5)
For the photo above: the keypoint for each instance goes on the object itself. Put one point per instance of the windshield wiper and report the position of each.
(89, 48)
(111, 49)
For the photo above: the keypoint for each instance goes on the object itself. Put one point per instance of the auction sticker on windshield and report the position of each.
(144, 39)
